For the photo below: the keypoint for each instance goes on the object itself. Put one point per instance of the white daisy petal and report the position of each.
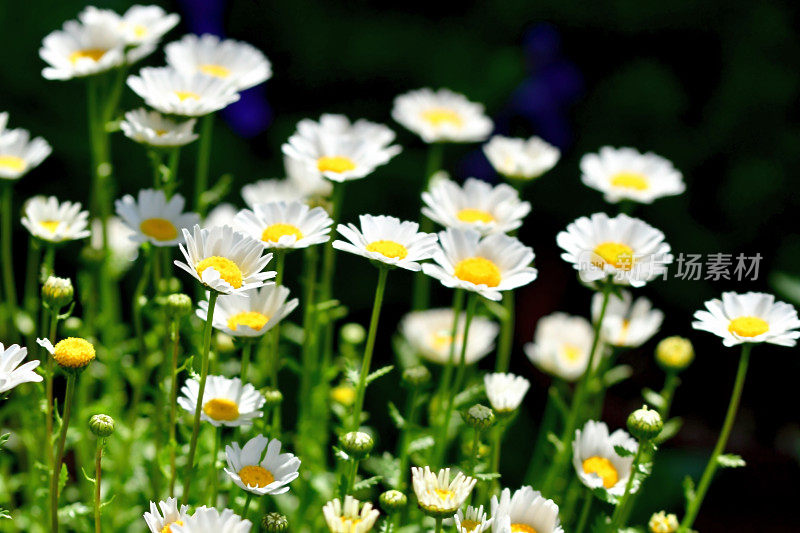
(53, 221)
(520, 158)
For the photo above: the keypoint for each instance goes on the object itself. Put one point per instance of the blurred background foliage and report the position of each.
(710, 85)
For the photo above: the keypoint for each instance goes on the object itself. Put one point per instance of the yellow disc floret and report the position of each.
(274, 232)
(228, 270)
(50, 225)
(469, 525)
(95, 54)
(748, 326)
(390, 249)
(344, 395)
(12, 163)
(522, 528)
(221, 409)
(73, 352)
(571, 352)
(478, 270)
(630, 180)
(442, 116)
(160, 229)
(603, 468)
(218, 71)
(335, 163)
(251, 319)
(168, 528)
(185, 95)
(475, 215)
(615, 254)
(256, 476)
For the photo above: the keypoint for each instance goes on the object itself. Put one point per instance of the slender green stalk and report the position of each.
(213, 470)
(203, 160)
(623, 502)
(247, 349)
(246, 506)
(438, 525)
(671, 382)
(473, 456)
(329, 256)
(30, 299)
(49, 387)
(62, 439)
(422, 283)
(309, 354)
(405, 439)
(447, 373)
(6, 235)
(98, 457)
(351, 478)
(705, 481)
(506, 343)
(584, 517)
(173, 403)
(549, 419)
(174, 161)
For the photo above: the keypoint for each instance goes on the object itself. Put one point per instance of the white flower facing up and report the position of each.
(442, 116)
(520, 158)
(626, 250)
(170, 513)
(596, 462)
(252, 313)
(561, 345)
(524, 511)
(475, 205)
(505, 391)
(438, 495)
(338, 149)
(226, 402)
(430, 334)
(388, 240)
(138, 25)
(474, 520)
(224, 260)
(270, 475)
(208, 520)
(154, 129)
(83, 49)
(285, 225)
(19, 153)
(236, 62)
(750, 317)
(626, 322)
(155, 219)
(175, 93)
(487, 265)
(351, 517)
(272, 190)
(626, 174)
(53, 221)
(11, 373)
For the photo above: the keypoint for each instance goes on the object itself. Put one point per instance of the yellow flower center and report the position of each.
(344, 395)
(478, 270)
(391, 249)
(168, 529)
(661, 524)
(228, 270)
(185, 95)
(12, 163)
(522, 528)
(470, 525)
(274, 232)
(160, 229)
(73, 352)
(221, 409)
(441, 116)
(90, 53)
(50, 225)
(256, 476)
(441, 340)
(140, 31)
(630, 180)
(218, 71)
(252, 319)
(475, 215)
(748, 326)
(571, 352)
(161, 133)
(335, 163)
(615, 254)
(352, 520)
(603, 468)
(444, 494)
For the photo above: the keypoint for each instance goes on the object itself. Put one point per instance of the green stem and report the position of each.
(584, 517)
(328, 258)
(174, 160)
(473, 456)
(8, 259)
(447, 373)
(97, 460)
(694, 506)
(246, 507)
(405, 439)
(203, 160)
(623, 502)
(438, 525)
(213, 469)
(30, 299)
(49, 387)
(546, 427)
(173, 402)
(247, 349)
(351, 478)
(422, 283)
(62, 439)
(506, 343)
(671, 382)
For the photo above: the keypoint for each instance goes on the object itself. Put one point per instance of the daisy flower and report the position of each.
(226, 402)
(11, 374)
(338, 149)
(251, 313)
(155, 219)
(310, 183)
(139, 25)
(175, 93)
(272, 190)
(626, 174)
(561, 345)
(430, 334)
(475, 205)
(473, 521)
(626, 249)
(442, 116)
(270, 475)
(485, 265)
(71, 354)
(350, 517)
(224, 260)
(208, 520)
(596, 462)
(520, 158)
(154, 129)
(627, 323)
(662, 522)
(437, 495)
(505, 391)
(238, 63)
(54, 221)
(524, 511)
(170, 514)
(285, 225)
(79, 50)
(387, 240)
(749, 317)
(19, 153)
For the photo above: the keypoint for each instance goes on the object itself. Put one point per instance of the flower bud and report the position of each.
(57, 292)
(645, 424)
(416, 376)
(479, 417)
(275, 523)
(273, 398)
(393, 501)
(357, 444)
(178, 305)
(674, 354)
(101, 425)
(662, 522)
(224, 342)
(353, 333)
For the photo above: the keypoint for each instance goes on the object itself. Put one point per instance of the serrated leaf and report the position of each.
(379, 373)
(653, 398)
(89, 478)
(422, 443)
(671, 428)
(340, 454)
(397, 418)
(688, 489)
(622, 451)
(4, 513)
(602, 494)
(616, 375)
(4, 439)
(730, 460)
(62, 477)
(468, 395)
(367, 483)
(487, 476)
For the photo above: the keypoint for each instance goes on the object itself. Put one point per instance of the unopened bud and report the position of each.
(393, 501)
(416, 376)
(273, 398)
(479, 416)
(357, 444)
(674, 353)
(57, 292)
(275, 523)
(101, 425)
(178, 305)
(353, 333)
(645, 424)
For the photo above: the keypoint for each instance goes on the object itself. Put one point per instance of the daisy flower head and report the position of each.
(624, 250)
(209, 520)
(439, 496)
(236, 62)
(561, 345)
(285, 225)
(224, 260)
(155, 219)
(626, 174)
(153, 129)
(311, 184)
(137, 26)
(272, 190)
(350, 517)
(595, 460)
(442, 116)
(487, 265)
(475, 205)
(20, 154)
(505, 391)
(251, 313)
(83, 49)
(430, 334)
(661, 522)
(524, 511)
(387, 240)
(71, 354)
(170, 513)
(11, 373)
(521, 159)
(474, 520)
(627, 322)
(750, 317)
(226, 402)
(177, 93)
(53, 221)
(270, 475)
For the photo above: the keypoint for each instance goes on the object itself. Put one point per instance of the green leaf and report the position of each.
(688, 489)
(4, 513)
(4, 439)
(787, 285)
(730, 460)
(602, 494)
(367, 483)
(422, 443)
(622, 451)
(553, 439)
(487, 476)
(671, 428)
(89, 478)
(616, 375)
(62, 477)
(397, 418)
(379, 373)
(653, 398)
